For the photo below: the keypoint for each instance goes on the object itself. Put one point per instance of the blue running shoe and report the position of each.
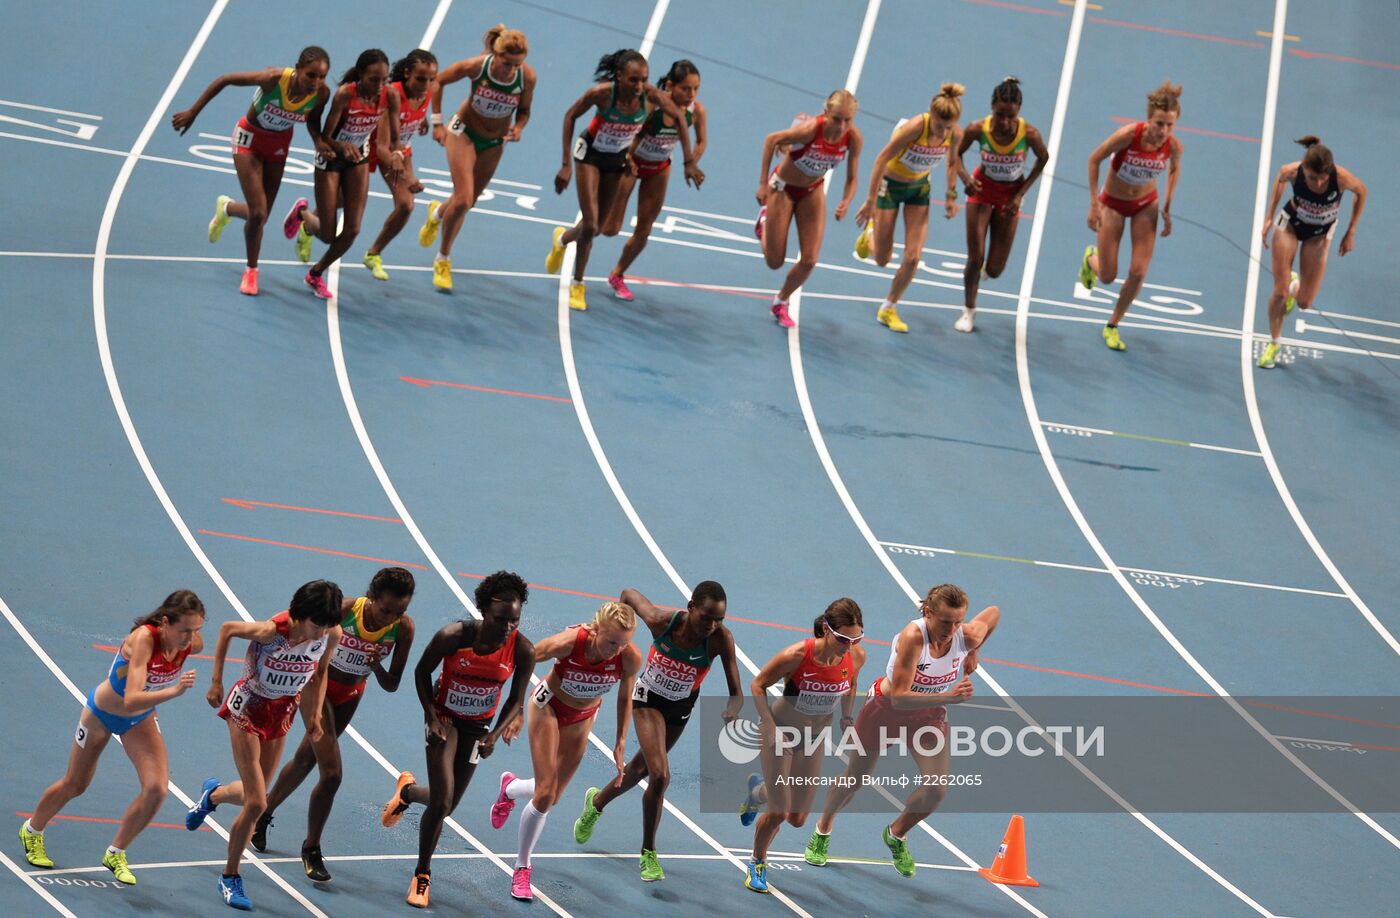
(194, 816)
(748, 810)
(231, 888)
(758, 877)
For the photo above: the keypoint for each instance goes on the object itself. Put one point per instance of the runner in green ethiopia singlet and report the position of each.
(276, 110)
(360, 647)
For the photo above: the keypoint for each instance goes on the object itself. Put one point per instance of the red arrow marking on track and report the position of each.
(429, 383)
(158, 825)
(1345, 60)
(253, 504)
(321, 551)
(1192, 130)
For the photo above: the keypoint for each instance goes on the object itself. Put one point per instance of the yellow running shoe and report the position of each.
(442, 273)
(216, 225)
(115, 861)
(555, 260)
(888, 316)
(1292, 300)
(376, 266)
(863, 240)
(428, 233)
(1110, 337)
(303, 244)
(1266, 362)
(1086, 273)
(576, 300)
(33, 846)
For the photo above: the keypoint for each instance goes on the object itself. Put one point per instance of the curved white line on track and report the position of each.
(1247, 337)
(1052, 465)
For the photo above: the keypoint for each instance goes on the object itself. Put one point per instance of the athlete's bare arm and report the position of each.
(782, 665)
(262, 632)
(508, 720)
(448, 640)
(1349, 182)
(655, 618)
(403, 644)
(722, 646)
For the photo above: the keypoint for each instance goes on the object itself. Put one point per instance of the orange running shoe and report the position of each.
(418, 890)
(394, 808)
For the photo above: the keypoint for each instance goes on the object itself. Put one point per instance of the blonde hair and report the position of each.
(946, 105)
(840, 98)
(1165, 98)
(615, 615)
(500, 40)
(948, 594)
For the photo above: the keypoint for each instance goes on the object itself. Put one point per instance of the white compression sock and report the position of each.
(531, 825)
(521, 789)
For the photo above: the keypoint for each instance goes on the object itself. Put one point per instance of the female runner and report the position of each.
(411, 79)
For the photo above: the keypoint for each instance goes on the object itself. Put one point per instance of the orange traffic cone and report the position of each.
(1009, 866)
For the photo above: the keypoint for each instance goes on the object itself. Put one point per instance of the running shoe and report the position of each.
(749, 809)
(576, 296)
(758, 224)
(500, 810)
(292, 222)
(115, 861)
(1292, 300)
(1086, 273)
(888, 316)
(442, 274)
(520, 885)
(1270, 355)
(33, 842)
(249, 284)
(394, 809)
(194, 817)
(1111, 338)
(429, 232)
(651, 867)
(757, 880)
(817, 846)
(376, 266)
(216, 225)
(231, 888)
(418, 890)
(619, 287)
(583, 826)
(314, 864)
(555, 260)
(964, 322)
(303, 245)
(780, 313)
(863, 246)
(317, 283)
(259, 839)
(903, 860)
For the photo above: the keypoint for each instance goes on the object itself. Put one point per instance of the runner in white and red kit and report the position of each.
(285, 669)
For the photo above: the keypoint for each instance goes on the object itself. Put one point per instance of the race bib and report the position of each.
(242, 137)
(542, 694)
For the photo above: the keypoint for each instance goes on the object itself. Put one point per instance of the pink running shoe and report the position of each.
(500, 810)
(249, 287)
(780, 312)
(757, 224)
(520, 885)
(317, 283)
(619, 286)
(292, 223)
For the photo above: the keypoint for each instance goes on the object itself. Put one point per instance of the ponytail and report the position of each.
(1317, 158)
(406, 64)
(843, 613)
(946, 105)
(1165, 98)
(177, 604)
(366, 60)
(610, 65)
(842, 97)
(678, 72)
(1008, 90)
(615, 615)
(500, 40)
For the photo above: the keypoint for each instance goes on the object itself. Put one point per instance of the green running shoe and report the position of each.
(376, 266)
(303, 244)
(583, 826)
(903, 860)
(1292, 300)
(33, 846)
(863, 240)
(651, 867)
(115, 861)
(216, 225)
(1110, 337)
(1086, 273)
(1266, 359)
(816, 849)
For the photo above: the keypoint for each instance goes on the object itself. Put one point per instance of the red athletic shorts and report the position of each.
(338, 693)
(795, 193)
(646, 168)
(268, 146)
(265, 718)
(1125, 207)
(997, 194)
(569, 715)
(877, 713)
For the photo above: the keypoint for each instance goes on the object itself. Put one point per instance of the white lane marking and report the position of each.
(1351, 318)
(1300, 325)
(1152, 439)
(51, 111)
(28, 880)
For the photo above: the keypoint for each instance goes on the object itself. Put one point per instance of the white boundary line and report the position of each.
(33, 884)
(1150, 439)
(1247, 369)
(1072, 505)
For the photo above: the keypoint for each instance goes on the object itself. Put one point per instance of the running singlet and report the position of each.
(819, 156)
(360, 647)
(932, 675)
(1312, 209)
(280, 669)
(674, 673)
(496, 100)
(470, 685)
(161, 671)
(361, 118)
(658, 138)
(1136, 165)
(410, 116)
(1003, 163)
(918, 158)
(276, 110)
(611, 131)
(816, 689)
(583, 680)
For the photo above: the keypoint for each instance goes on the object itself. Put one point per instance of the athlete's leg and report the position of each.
(436, 797)
(1285, 246)
(1312, 265)
(979, 217)
(615, 215)
(82, 765)
(483, 169)
(915, 232)
(146, 749)
(259, 181)
(841, 793)
(650, 198)
(402, 209)
(925, 799)
(605, 193)
(811, 226)
(651, 738)
(1144, 233)
(882, 234)
(334, 720)
(586, 180)
(1003, 235)
(775, 228)
(320, 223)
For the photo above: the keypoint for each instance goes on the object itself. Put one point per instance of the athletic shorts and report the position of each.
(1304, 231)
(1126, 207)
(646, 168)
(338, 693)
(462, 129)
(265, 718)
(795, 193)
(606, 163)
(878, 712)
(340, 163)
(115, 724)
(268, 146)
(997, 194)
(568, 715)
(673, 712)
(467, 726)
(894, 193)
